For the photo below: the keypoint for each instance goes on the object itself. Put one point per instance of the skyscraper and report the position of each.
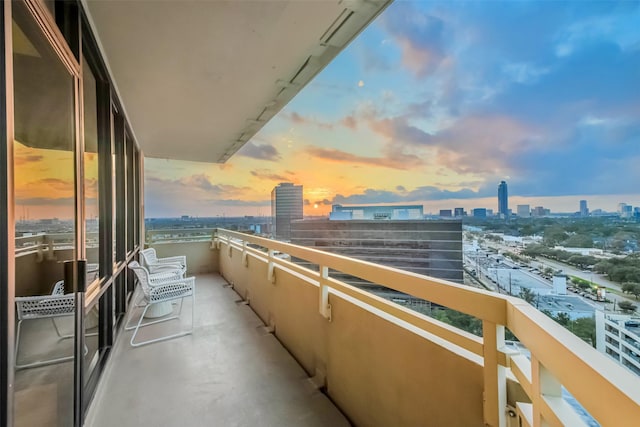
(584, 210)
(524, 211)
(503, 200)
(286, 206)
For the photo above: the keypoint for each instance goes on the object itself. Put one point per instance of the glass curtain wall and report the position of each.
(75, 196)
(44, 165)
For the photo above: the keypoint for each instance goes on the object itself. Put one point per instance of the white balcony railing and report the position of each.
(558, 359)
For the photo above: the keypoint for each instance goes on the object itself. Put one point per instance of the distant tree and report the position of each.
(627, 306)
(585, 328)
(459, 320)
(578, 241)
(563, 318)
(528, 295)
(602, 267)
(581, 261)
(527, 230)
(554, 235)
(631, 288)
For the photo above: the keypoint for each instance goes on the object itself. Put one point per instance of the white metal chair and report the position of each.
(162, 287)
(58, 304)
(154, 264)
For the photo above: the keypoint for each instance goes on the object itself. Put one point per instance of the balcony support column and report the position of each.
(545, 388)
(495, 376)
(323, 292)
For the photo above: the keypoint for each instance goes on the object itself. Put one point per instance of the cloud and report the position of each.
(200, 181)
(349, 122)
(46, 201)
(238, 202)
(197, 186)
(420, 36)
(395, 160)
(419, 194)
(23, 159)
(269, 175)
(297, 118)
(260, 151)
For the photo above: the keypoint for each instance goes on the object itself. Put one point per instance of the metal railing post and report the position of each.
(324, 306)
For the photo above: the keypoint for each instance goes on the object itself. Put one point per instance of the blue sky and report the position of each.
(436, 103)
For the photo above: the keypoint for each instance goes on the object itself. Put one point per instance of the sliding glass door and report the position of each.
(45, 165)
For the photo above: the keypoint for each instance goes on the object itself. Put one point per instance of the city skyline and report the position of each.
(434, 103)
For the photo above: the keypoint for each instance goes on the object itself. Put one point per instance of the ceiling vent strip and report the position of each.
(334, 29)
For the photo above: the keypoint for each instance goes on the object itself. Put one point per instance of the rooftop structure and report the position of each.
(376, 212)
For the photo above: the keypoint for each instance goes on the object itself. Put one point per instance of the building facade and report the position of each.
(395, 212)
(503, 200)
(524, 211)
(584, 209)
(432, 248)
(286, 206)
(618, 336)
(479, 213)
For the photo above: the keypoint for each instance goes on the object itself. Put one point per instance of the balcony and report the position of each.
(379, 363)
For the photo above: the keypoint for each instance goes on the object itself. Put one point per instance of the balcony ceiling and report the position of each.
(199, 78)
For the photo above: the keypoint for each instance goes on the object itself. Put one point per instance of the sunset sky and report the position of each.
(435, 103)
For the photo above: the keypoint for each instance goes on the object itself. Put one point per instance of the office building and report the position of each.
(503, 200)
(459, 212)
(445, 213)
(429, 247)
(286, 206)
(618, 336)
(479, 213)
(584, 210)
(395, 212)
(539, 211)
(524, 211)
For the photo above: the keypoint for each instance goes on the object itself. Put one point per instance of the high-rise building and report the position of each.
(539, 211)
(479, 213)
(446, 213)
(429, 247)
(286, 206)
(584, 210)
(503, 200)
(524, 211)
(459, 212)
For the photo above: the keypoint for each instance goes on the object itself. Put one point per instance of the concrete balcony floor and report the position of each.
(229, 372)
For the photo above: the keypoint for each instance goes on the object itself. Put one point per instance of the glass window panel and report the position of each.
(91, 175)
(91, 206)
(45, 225)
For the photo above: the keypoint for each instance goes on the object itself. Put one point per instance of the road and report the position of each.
(595, 278)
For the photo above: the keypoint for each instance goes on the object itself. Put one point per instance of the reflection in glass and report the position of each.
(91, 206)
(45, 231)
(91, 177)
